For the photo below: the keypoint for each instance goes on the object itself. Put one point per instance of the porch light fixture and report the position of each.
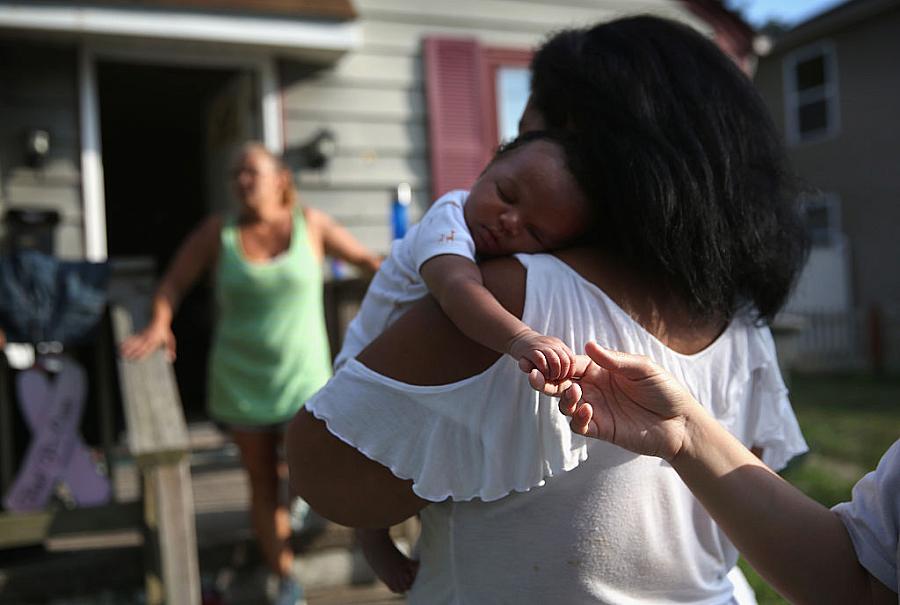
(37, 147)
(315, 153)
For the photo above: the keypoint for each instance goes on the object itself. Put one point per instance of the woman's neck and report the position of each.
(661, 312)
(269, 215)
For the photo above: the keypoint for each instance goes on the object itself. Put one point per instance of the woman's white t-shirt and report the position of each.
(872, 518)
(527, 512)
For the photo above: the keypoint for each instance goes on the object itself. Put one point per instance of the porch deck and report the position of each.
(107, 569)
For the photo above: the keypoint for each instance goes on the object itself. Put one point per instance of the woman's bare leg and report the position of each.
(270, 516)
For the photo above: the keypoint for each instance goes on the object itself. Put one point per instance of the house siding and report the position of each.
(38, 90)
(861, 162)
(373, 99)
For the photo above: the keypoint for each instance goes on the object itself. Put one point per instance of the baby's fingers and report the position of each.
(554, 364)
(572, 359)
(566, 362)
(539, 361)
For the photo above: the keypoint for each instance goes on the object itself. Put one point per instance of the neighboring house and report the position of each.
(143, 102)
(833, 86)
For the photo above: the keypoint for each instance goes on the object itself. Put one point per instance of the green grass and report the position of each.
(849, 421)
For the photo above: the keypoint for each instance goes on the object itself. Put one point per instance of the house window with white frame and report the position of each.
(513, 86)
(811, 94)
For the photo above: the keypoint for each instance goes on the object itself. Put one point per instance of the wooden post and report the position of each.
(158, 440)
(172, 575)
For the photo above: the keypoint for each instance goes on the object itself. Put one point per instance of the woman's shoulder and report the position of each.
(208, 232)
(504, 277)
(314, 218)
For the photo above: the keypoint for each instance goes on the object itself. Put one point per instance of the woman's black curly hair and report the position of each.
(688, 174)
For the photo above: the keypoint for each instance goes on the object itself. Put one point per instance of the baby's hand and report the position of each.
(548, 354)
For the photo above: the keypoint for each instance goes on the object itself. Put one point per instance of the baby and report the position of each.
(526, 200)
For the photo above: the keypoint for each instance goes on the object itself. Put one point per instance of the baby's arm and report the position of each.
(455, 282)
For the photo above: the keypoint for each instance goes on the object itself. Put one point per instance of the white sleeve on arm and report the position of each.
(772, 425)
(443, 230)
(872, 518)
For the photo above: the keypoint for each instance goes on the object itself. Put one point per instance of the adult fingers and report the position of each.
(540, 383)
(170, 348)
(581, 419)
(633, 367)
(134, 347)
(568, 401)
(536, 379)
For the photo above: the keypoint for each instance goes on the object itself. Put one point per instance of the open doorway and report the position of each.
(167, 134)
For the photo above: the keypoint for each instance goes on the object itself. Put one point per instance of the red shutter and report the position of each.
(456, 121)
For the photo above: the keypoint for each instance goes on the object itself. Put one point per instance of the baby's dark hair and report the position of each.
(573, 156)
(688, 175)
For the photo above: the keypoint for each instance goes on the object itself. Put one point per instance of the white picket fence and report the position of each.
(839, 341)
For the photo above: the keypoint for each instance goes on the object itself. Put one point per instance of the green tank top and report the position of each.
(270, 348)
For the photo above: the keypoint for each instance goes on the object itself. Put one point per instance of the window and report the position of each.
(512, 86)
(823, 219)
(475, 97)
(811, 94)
(507, 84)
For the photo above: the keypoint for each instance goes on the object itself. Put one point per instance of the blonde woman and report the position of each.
(270, 348)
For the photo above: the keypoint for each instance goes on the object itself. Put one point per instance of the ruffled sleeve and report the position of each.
(483, 437)
(872, 518)
(773, 427)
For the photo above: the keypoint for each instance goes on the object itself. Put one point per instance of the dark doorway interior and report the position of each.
(153, 128)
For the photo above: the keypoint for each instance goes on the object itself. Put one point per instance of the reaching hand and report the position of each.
(548, 354)
(138, 346)
(627, 400)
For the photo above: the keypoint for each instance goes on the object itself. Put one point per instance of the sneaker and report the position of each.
(290, 592)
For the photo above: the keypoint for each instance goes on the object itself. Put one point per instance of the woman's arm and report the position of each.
(194, 256)
(796, 544)
(338, 242)
(423, 347)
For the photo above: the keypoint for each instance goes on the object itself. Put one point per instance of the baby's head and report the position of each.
(527, 199)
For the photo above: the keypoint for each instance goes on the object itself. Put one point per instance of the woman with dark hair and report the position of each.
(697, 240)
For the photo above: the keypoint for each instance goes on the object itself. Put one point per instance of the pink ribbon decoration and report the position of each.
(52, 409)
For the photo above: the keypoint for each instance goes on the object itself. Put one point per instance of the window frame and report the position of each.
(828, 92)
(496, 58)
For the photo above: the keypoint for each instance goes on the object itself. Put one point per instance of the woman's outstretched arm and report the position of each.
(338, 242)
(194, 256)
(423, 347)
(795, 543)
